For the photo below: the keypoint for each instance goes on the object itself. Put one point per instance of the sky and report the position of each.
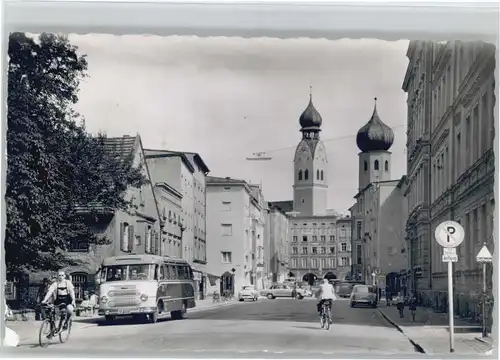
(227, 98)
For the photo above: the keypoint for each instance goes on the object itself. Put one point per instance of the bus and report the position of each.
(147, 287)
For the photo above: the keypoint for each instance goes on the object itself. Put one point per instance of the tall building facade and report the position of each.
(185, 173)
(459, 137)
(277, 243)
(379, 215)
(258, 221)
(233, 229)
(344, 248)
(313, 229)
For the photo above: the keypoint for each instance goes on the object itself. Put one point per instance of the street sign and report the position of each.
(450, 255)
(377, 271)
(484, 255)
(449, 234)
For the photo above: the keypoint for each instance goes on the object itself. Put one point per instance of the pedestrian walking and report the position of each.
(413, 307)
(400, 305)
(388, 296)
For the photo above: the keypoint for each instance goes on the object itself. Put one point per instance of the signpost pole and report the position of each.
(450, 235)
(483, 305)
(450, 306)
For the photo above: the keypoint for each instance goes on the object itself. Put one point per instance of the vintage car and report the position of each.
(283, 290)
(248, 292)
(364, 295)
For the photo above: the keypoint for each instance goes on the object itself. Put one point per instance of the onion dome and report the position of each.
(375, 135)
(310, 118)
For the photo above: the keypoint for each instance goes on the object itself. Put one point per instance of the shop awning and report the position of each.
(212, 279)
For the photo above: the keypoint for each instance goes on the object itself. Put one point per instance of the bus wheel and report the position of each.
(153, 318)
(179, 314)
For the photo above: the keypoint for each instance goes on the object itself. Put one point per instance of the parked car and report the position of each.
(248, 292)
(364, 294)
(344, 290)
(282, 290)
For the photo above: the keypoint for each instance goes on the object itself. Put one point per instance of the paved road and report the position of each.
(270, 328)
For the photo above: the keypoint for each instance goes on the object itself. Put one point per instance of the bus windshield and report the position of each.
(127, 272)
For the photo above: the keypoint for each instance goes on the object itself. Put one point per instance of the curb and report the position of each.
(417, 347)
(212, 306)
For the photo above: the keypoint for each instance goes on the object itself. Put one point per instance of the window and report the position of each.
(303, 262)
(323, 263)
(317, 174)
(226, 206)
(300, 174)
(321, 175)
(332, 250)
(127, 237)
(344, 261)
(343, 247)
(294, 263)
(304, 238)
(375, 165)
(227, 229)
(359, 254)
(295, 239)
(226, 257)
(323, 238)
(386, 165)
(295, 250)
(79, 245)
(79, 281)
(323, 250)
(314, 250)
(304, 250)
(358, 229)
(306, 174)
(314, 263)
(227, 188)
(366, 166)
(315, 238)
(332, 238)
(332, 263)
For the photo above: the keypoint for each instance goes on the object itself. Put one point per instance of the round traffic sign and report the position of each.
(377, 271)
(449, 234)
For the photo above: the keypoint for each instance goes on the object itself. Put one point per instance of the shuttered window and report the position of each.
(127, 237)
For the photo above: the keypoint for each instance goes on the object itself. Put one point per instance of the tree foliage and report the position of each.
(53, 164)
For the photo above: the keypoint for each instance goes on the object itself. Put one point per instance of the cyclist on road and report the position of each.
(325, 292)
(64, 294)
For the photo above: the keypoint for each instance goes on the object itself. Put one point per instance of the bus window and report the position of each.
(159, 273)
(181, 271)
(172, 272)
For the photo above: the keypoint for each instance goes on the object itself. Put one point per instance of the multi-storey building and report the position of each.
(344, 260)
(313, 228)
(276, 244)
(185, 172)
(234, 231)
(460, 137)
(379, 215)
(258, 220)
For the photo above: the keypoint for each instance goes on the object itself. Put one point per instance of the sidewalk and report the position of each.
(430, 331)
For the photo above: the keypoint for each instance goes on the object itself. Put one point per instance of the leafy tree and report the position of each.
(53, 165)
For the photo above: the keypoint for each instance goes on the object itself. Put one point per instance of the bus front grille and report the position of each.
(124, 302)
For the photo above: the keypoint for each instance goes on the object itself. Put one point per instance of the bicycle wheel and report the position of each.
(45, 333)
(64, 334)
(328, 320)
(322, 320)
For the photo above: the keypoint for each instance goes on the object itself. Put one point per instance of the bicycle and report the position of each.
(50, 321)
(326, 314)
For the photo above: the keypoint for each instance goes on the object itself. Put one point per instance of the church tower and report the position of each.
(374, 140)
(310, 189)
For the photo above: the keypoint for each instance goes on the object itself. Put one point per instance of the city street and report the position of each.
(281, 327)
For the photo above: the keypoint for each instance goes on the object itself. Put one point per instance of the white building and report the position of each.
(458, 131)
(185, 173)
(379, 215)
(344, 248)
(235, 228)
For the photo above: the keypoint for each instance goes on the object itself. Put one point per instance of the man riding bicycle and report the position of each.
(64, 294)
(326, 292)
